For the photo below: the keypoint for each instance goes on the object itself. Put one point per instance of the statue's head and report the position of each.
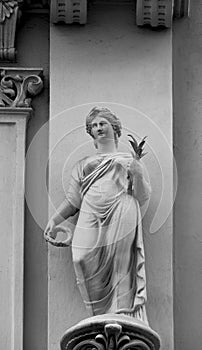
(107, 114)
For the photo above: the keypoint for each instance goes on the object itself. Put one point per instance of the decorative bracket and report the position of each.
(148, 12)
(110, 332)
(154, 12)
(69, 11)
(160, 12)
(17, 86)
(9, 10)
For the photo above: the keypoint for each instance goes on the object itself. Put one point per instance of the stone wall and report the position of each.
(187, 64)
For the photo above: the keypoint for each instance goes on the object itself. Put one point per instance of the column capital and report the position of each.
(18, 86)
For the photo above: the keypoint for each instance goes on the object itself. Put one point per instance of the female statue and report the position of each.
(107, 246)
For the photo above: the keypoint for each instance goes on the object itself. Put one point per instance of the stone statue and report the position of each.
(107, 190)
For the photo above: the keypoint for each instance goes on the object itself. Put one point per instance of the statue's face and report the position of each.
(102, 129)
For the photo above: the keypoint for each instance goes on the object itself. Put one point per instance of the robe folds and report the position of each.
(107, 246)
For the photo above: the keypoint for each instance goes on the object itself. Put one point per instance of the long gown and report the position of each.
(111, 272)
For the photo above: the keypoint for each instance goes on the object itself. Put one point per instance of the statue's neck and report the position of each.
(106, 148)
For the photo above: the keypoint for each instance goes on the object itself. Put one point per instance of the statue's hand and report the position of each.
(136, 168)
(50, 230)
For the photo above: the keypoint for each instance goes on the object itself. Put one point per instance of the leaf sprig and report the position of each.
(138, 148)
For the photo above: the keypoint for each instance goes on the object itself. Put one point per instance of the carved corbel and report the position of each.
(110, 332)
(154, 12)
(69, 11)
(9, 10)
(18, 86)
(160, 12)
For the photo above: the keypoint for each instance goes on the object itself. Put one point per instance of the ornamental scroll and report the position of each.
(17, 86)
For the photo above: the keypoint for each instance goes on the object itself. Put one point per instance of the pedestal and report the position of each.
(114, 332)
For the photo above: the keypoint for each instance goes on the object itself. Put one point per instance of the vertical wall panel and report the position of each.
(187, 74)
(12, 185)
(112, 61)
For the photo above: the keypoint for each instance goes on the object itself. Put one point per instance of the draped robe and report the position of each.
(111, 271)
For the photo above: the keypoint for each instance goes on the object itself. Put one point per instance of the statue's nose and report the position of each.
(99, 128)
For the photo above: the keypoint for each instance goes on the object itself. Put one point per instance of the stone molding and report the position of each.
(110, 331)
(148, 12)
(19, 85)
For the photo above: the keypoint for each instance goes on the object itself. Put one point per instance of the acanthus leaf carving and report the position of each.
(16, 89)
(6, 9)
(8, 22)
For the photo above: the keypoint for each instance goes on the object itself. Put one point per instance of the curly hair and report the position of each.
(107, 114)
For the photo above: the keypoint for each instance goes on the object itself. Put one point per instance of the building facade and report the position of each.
(152, 73)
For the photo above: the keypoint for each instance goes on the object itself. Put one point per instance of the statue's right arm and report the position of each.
(64, 211)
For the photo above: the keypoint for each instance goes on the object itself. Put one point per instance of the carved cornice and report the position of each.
(148, 12)
(18, 86)
(110, 332)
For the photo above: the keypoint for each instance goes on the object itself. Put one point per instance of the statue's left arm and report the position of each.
(141, 187)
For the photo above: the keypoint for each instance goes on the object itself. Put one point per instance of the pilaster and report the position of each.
(16, 88)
